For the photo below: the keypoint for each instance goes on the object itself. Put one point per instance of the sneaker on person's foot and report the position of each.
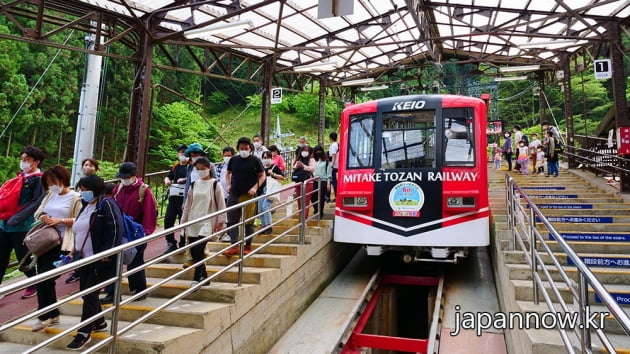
(108, 299)
(100, 327)
(226, 238)
(72, 278)
(187, 264)
(42, 325)
(29, 292)
(79, 341)
(247, 249)
(231, 252)
(170, 248)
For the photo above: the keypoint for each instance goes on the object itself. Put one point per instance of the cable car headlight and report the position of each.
(357, 202)
(461, 200)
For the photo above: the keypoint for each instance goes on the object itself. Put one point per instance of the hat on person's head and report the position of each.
(544, 122)
(517, 126)
(244, 140)
(194, 147)
(126, 170)
(204, 161)
(181, 147)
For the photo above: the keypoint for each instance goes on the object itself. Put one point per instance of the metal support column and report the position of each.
(265, 109)
(140, 110)
(321, 133)
(622, 115)
(542, 102)
(568, 107)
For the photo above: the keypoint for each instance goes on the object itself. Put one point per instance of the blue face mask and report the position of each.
(87, 196)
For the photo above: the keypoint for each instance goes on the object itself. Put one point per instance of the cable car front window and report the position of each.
(408, 139)
(459, 138)
(361, 141)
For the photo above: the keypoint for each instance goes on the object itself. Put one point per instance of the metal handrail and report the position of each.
(115, 332)
(523, 226)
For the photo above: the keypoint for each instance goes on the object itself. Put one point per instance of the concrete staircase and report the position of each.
(596, 223)
(278, 285)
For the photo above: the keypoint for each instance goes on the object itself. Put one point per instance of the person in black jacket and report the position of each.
(98, 227)
(14, 229)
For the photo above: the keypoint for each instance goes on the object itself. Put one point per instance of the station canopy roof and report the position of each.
(377, 36)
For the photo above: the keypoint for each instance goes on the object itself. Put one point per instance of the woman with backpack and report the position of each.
(97, 228)
(205, 196)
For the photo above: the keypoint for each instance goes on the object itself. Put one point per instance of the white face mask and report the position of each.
(266, 161)
(126, 181)
(243, 153)
(25, 166)
(304, 153)
(226, 159)
(194, 159)
(87, 170)
(55, 189)
(203, 173)
(257, 144)
(507, 135)
(182, 158)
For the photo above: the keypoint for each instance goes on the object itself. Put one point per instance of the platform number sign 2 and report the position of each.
(276, 95)
(603, 69)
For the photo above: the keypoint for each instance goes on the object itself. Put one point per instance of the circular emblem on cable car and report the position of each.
(406, 199)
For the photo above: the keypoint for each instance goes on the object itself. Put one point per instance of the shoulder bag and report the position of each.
(41, 238)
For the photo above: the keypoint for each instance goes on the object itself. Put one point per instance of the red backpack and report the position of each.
(10, 196)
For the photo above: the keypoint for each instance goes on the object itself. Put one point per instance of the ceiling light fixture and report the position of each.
(510, 69)
(374, 88)
(546, 44)
(321, 66)
(368, 80)
(217, 28)
(510, 78)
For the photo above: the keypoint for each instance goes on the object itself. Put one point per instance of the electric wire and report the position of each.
(35, 86)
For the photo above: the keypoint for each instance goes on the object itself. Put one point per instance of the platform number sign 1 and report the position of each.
(276, 95)
(603, 69)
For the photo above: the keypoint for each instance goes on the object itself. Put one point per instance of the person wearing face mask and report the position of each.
(323, 170)
(194, 152)
(304, 162)
(278, 160)
(205, 196)
(14, 228)
(59, 208)
(89, 166)
(220, 167)
(98, 227)
(507, 149)
(176, 183)
(245, 176)
(142, 207)
(271, 172)
(259, 148)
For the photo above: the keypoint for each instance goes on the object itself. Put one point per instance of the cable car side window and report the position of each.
(408, 139)
(459, 137)
(361, 141)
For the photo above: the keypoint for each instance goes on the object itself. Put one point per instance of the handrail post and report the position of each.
(532, 250)
(302, 212)
(319, 201)
(585, 339)
(114, 327)
(241, 246)
(510, 209)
